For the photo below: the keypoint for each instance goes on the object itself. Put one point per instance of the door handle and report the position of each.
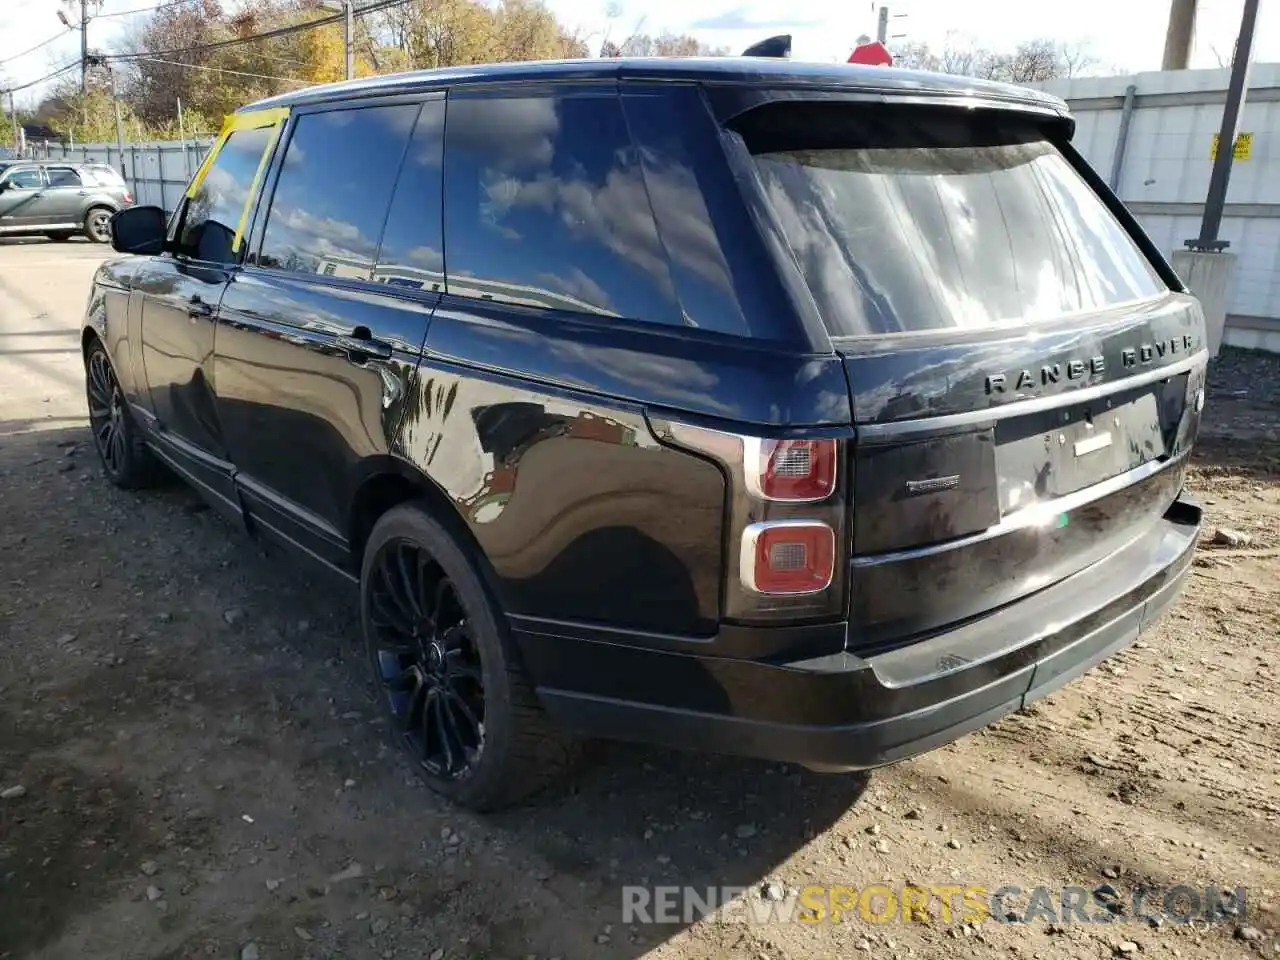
(82, 193)
(361, 347)
(197, 309)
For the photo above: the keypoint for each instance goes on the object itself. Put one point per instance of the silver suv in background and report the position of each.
(59, 199)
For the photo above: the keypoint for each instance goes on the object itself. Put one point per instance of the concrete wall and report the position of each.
(1165, 173)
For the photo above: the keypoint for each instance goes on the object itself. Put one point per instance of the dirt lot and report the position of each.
(203, 773)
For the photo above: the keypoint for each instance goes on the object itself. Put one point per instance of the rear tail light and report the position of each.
(787, 557)
(128, 197)
(791, 471)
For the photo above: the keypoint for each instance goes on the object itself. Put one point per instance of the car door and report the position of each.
(20, 190)
(179, 293)
(313, 355)
(63, 197)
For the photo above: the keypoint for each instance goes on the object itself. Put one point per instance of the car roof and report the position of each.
(762, 71)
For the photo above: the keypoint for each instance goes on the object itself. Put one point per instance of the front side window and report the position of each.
(64, 177)
(25, 179)
(545, 205)
(213, 212)
(334, 188)
(908, 219)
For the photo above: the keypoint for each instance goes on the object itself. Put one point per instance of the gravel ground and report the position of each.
(191, 763)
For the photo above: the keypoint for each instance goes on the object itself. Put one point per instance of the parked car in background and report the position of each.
(60, 199)
(807, 412)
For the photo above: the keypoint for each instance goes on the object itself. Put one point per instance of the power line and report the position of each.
(267, 35)
(42, 43)
(48, 76)
(160, 6)
(237, 73)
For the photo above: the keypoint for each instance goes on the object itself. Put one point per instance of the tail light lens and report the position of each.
(787, 557)
(128, 197)
(791, 471)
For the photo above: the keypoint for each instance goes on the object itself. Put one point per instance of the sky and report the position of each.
(1124, 36)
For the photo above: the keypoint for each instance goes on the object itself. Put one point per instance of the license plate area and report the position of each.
(1061, 451)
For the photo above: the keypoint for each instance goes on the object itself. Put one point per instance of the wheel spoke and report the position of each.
(415, 707)
(444, 722)
(443, 589)
(460, 707)
(388, 579)
(389, 615)
(408, 582)
(117, 444)
(460, 668)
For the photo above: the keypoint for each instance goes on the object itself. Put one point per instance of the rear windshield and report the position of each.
(909, 219)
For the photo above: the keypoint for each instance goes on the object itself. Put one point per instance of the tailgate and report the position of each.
(968, 497)
(1025, 370)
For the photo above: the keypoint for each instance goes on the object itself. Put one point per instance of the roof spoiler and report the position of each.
(778, 47)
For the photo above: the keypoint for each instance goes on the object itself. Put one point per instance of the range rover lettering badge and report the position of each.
(933, 485)
(1098, 441)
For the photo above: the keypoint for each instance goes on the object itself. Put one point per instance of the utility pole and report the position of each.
(17, 134)
(348, 9)
(1179, 34)
(349, 24)
(882, 25)
(1221, 173)
(84, 46)
(83, 26)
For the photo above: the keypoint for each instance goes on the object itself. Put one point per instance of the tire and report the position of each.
(59, 236)
(97, 224)
(125, 457)
(508, 748)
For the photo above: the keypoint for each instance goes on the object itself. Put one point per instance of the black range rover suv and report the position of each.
(814, 413)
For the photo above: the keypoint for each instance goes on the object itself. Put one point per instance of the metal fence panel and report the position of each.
(157, 172)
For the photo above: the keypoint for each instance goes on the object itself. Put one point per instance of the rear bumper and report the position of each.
(851, 712)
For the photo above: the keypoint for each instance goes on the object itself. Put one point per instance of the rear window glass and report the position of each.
(911, 219)
(105, 176)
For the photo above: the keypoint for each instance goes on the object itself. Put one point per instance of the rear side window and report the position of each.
(909, 219)
(412, 252)
(64, 177)
(334, 188)
(213, 213)
(545, 205)
(105, 176)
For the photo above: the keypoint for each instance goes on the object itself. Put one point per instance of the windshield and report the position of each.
(909, 219)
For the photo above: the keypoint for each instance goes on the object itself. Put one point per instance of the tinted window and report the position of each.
(25, 179)
(915, 220)
(412, 253)
(64, 177)
(334, 187)
(213, 214)
(545, 205)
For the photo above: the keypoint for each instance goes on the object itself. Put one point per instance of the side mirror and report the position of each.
(139, 230)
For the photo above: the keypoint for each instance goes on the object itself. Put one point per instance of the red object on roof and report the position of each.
(871, 54)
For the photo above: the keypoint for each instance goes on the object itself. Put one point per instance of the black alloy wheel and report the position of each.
(427, 660)
(448, 674)
(125, 458)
